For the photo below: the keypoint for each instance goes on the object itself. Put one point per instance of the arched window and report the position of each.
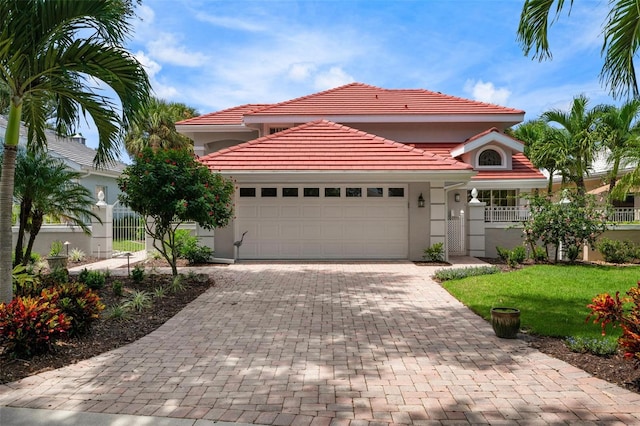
(490, 157)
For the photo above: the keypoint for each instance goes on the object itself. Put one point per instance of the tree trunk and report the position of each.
(614, 175)
(12, 136)
(25, 209)
(36, 224)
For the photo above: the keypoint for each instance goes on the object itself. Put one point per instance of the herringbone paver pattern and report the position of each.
(329, 344)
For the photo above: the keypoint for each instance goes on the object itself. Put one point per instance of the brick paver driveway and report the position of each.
(329, 343)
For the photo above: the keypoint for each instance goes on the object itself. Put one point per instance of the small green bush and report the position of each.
(459, 273)
(435, 253)
(540, 254)
(76, 255)
(117, 288)
(605, 346)
(517, 256)
(95, 280)
(503, 253)
(159, 292)
(177, 284)
(25, 283)
(138, 301)
(615, 251)
(118, 312)
(137, 274)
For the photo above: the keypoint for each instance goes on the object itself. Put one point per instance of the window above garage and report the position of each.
(318, 192)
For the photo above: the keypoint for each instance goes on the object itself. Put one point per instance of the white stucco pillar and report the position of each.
(476, 226)
(438, 215)
(102, 233)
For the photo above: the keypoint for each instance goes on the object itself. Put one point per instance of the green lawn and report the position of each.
(552, 298)
(128, 245)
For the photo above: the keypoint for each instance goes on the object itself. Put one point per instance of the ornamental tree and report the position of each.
(171, 187)
(572, 222)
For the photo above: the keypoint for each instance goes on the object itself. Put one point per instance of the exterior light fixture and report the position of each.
(456, 197)
(66, 244)
(421, 200)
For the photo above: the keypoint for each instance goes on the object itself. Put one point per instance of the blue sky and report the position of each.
(218, 54)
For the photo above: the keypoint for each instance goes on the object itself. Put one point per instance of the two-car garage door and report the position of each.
(323, 221)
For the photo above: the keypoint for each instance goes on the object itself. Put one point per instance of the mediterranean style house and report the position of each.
(362, 172)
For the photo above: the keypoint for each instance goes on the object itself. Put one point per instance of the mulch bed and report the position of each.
(108, 334)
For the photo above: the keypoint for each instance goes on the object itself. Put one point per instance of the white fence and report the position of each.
(519, 214)
(506, 214)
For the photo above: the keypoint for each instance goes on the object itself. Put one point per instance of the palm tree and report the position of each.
(621, 39)
(154, 127)
(581, 137)
(547, 147)
(46, 186)
(57, 49)
(620, 132)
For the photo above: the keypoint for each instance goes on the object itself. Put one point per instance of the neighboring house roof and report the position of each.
(230, 116)
(70, 150)
(324, 145)
(363, 99)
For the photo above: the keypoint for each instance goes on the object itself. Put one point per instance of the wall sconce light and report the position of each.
(456, 197)
(421, 200)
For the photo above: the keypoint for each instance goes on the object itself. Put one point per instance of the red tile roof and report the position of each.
(362, 99)
(324, 145)
(520, 164)
(232, 116)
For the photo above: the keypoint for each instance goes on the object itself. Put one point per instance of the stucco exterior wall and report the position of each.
(503, 236)
(49, 234)
(621, 233)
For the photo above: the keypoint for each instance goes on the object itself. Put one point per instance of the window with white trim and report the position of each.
(498, 197)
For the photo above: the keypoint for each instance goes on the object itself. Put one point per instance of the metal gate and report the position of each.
(128, 230)
(456, 235)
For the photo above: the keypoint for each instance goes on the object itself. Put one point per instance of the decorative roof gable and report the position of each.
(488, 136)
(324, 145)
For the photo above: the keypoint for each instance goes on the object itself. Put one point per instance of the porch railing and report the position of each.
(506, 214)
(513, 214)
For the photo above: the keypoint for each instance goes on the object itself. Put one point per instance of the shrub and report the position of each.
(458, 273)
(29, 325)
(540, 254)
(118, 312)
(79, 303)
(503, 253)
(77, 255)
(159, 292)
(117, 288)
(138, 301)
(57, 276)
(25, 283)
(600, 347)
(517, 256)
(137, 274)
(177, 284)
(195, 253)
(435, 253)
(615, 251)
(93, 279)
(624, 312)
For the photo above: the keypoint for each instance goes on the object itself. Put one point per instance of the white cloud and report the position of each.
(166, 49)
(487, 92)
(301, 71)
(335, 77)
(230, 23)
(150, 66)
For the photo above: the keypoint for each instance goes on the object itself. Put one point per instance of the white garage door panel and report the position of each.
(323, 228)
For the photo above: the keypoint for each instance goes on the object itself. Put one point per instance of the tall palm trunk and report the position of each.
(12, 136)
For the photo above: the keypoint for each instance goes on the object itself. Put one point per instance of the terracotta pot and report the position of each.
(505, 322)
